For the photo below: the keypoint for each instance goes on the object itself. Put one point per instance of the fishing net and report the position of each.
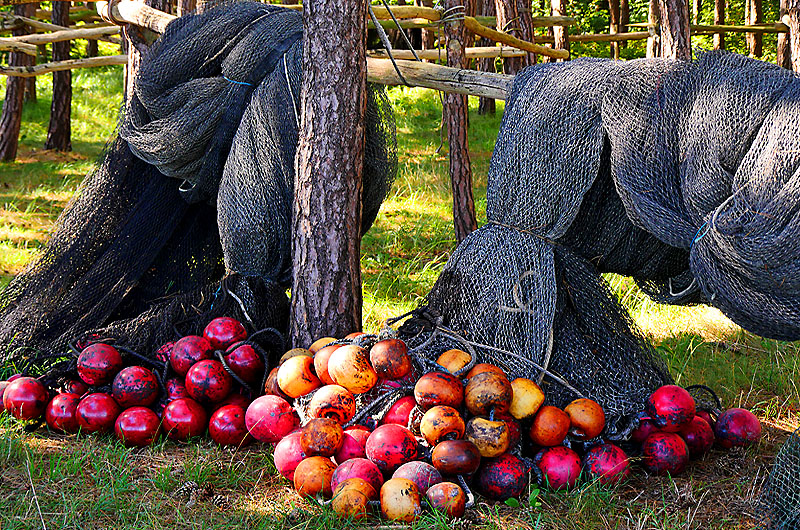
(780, 496)
(137, 254)
(683, 175)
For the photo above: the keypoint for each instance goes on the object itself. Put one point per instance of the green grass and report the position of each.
(94, 482)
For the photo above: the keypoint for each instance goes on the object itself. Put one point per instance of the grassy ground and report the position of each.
(51, 481)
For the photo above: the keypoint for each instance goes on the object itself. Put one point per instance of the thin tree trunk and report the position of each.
(486, 105)
(624, 19)
(59, 130)
(326, 274)
(428, 35)
(793, 15)
(455, 115)
(654, 19)
(783, 54)
(91, 44)
(613, 26)
(507, 20)
(526, 30)
(560, 34)
(719, 19)
(755, 15)
(11, 117)
(696, 8)
(30, 82)
(675, 35)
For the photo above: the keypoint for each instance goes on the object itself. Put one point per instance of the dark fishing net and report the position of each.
(683, 175)
(780, 496)
(196, 188)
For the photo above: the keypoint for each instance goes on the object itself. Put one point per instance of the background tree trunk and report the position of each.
(59, 130)
(91, 44)
(326, 274)
(783, 54)
(30, 82)
(560, 33)
(428, 35)
(754, 14)
(455, 115)
(719, 19)
(613, 26)
(11, 117)
(624, 19)
(187, 6)
(507, 20)
(654, 41)
(486, 105)
(675, 35)
(696, 8)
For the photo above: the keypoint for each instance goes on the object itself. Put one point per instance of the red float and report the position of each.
(183, 419)
(737, 427)
(391, 446)
(175, 389)
(227, 426)
(135, 386)
(288, 454)
(223, 332)
(560, 467)
(698, 435)
(670, 407)
(502, 478)
(358, 468)
(137, 427)
(25, 398)
(187, 351)
(98, 364)
(270, 418)
(400, 411)
(208, 382)
(97, 412)
(665, 453)
(246, 363)
(422, 474)
(60, 413)
(607, 463)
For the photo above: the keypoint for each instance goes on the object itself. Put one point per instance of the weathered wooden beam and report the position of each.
(58, 66)
(498, 36)
(47, 26)
(478, 52)
(13, 44)
(614, 37)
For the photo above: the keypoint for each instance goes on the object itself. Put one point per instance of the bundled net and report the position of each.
(780, 496)
(197, 187)
(682, 175)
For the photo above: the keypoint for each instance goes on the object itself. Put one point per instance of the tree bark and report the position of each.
(613, 26)
(11, 117)
(135, 46)
(792, 19)
(91, 44)
(326, 243)
(59, 130)
(654, 19)
(560, 33)
(719, 19)
(675, 35)
(527, 33)
(486, 105)
(783, 54)
(624, 18)
(455, 115)
(754, 14)
(696, 8)
(507, 20)
(187, 6)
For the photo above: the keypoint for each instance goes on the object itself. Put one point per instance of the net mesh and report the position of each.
(780, 498)
(214, 107)
(683, 175)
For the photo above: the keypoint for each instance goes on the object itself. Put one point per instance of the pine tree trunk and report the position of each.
(455, 115)
(675, 41)
(507, 20)
(187, 6)
(754, 15)
(783, 54)
(11, 117)
(624, 19)
(58, 132)
(654, 41)
(91, 44)
(428, 35)
(719, 19)
(613, 25)
(486, 105)
(560, 34)
(30, 82)
(696, 8)
(326, 274)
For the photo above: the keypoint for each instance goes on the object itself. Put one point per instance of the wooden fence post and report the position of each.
(455, 115)
(60, 127)
(675, 33)
(487, 64)
(11, 117)
(326, 211)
